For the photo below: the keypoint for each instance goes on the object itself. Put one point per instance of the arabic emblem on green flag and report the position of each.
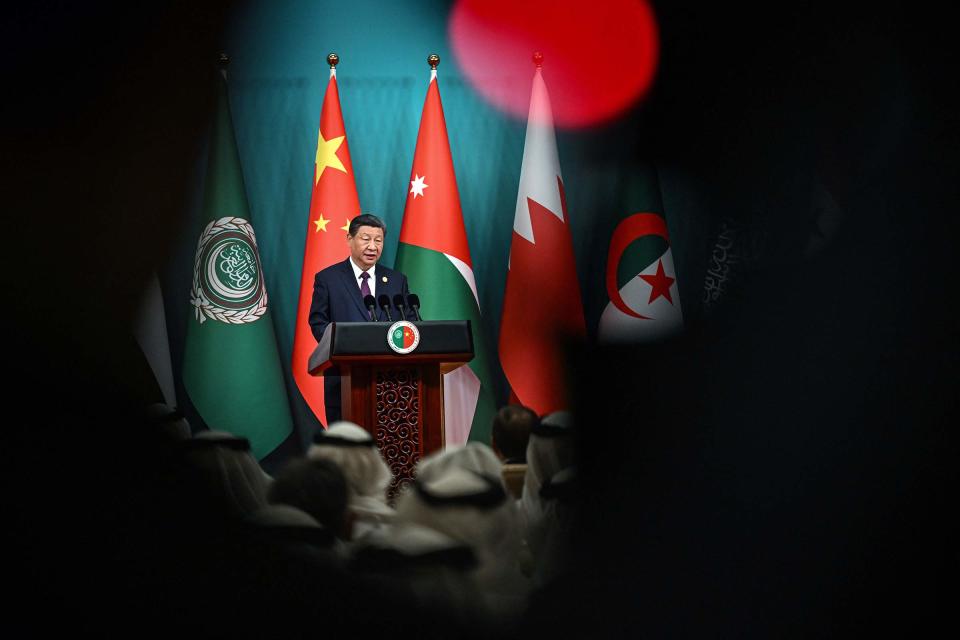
(227, 279)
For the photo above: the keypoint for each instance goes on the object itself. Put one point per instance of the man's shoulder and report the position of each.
(386, 271)
(335, 268)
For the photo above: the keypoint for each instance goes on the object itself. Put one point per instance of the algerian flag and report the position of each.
(435, 256)
(641, 282)
(231, 368)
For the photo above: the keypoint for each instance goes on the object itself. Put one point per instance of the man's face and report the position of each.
(366, 246)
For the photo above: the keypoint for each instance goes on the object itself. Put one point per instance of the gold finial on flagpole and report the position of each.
(333, 59)
(538, 59)
(433, 60)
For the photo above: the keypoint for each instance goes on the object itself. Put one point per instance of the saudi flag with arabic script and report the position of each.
(231, 367)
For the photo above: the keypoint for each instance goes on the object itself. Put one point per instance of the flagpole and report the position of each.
(223, 61)
(333, 59)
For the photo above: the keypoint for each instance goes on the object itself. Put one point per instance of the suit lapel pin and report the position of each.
(384, 278)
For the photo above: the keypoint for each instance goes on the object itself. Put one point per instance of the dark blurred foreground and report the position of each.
(785, 469)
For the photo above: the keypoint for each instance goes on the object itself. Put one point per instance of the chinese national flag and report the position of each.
(541, 305)
(333, 203)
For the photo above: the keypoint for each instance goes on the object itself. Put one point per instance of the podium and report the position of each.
(397, 397)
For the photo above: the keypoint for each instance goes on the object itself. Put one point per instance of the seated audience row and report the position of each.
(470, 535)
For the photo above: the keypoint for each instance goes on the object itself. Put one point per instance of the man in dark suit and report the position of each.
(339, 290)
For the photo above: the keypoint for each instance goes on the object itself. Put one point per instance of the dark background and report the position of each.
(786, 468)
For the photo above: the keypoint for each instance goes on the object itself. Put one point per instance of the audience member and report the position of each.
(475, 510)
(437, 568)
(512, 425)
(318, 488)
(292, 527)
(169, 420)
(352, 449)
(550, 450)
(558, 498)
(472, 456)
(230, 480)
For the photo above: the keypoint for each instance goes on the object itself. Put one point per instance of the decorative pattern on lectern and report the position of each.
(397, 423)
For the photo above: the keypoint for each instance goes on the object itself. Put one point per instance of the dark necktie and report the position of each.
(364, 285)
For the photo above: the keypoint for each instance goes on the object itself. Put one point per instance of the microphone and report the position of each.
(398, 303)
(384, 303)
(371, 304)
(413, 301)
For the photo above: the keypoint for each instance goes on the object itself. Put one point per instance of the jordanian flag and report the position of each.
(403, 337)
(641, 281)
(435, 256)
(231, 368)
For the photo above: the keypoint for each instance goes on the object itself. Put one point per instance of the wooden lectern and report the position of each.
(398, 398)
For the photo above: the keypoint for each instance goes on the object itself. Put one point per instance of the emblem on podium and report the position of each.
(403, 337)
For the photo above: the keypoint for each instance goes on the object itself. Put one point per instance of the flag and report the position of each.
(541, 304)
(435, 257)
(231, 367)
(641, 281)
(333, 203)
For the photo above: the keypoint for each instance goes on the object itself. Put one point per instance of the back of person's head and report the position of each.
(410, 550)
(438, 569)
(290, 526)
(353, 450)
(169, 421)
(472, 456)
(476, 511)
(230, 478)
(512, 425)
(469, 507)
(551, 449)
(316, 487)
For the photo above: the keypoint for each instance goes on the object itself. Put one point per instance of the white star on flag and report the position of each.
(417, 186)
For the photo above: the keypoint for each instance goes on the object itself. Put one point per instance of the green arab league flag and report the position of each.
(231, 368)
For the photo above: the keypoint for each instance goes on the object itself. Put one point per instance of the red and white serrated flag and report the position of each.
(333, 204)
(542, 304)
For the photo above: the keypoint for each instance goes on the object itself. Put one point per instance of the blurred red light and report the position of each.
(599, 58)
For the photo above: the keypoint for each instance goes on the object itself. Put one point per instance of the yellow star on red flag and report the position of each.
(327, 155)
(321, 223)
